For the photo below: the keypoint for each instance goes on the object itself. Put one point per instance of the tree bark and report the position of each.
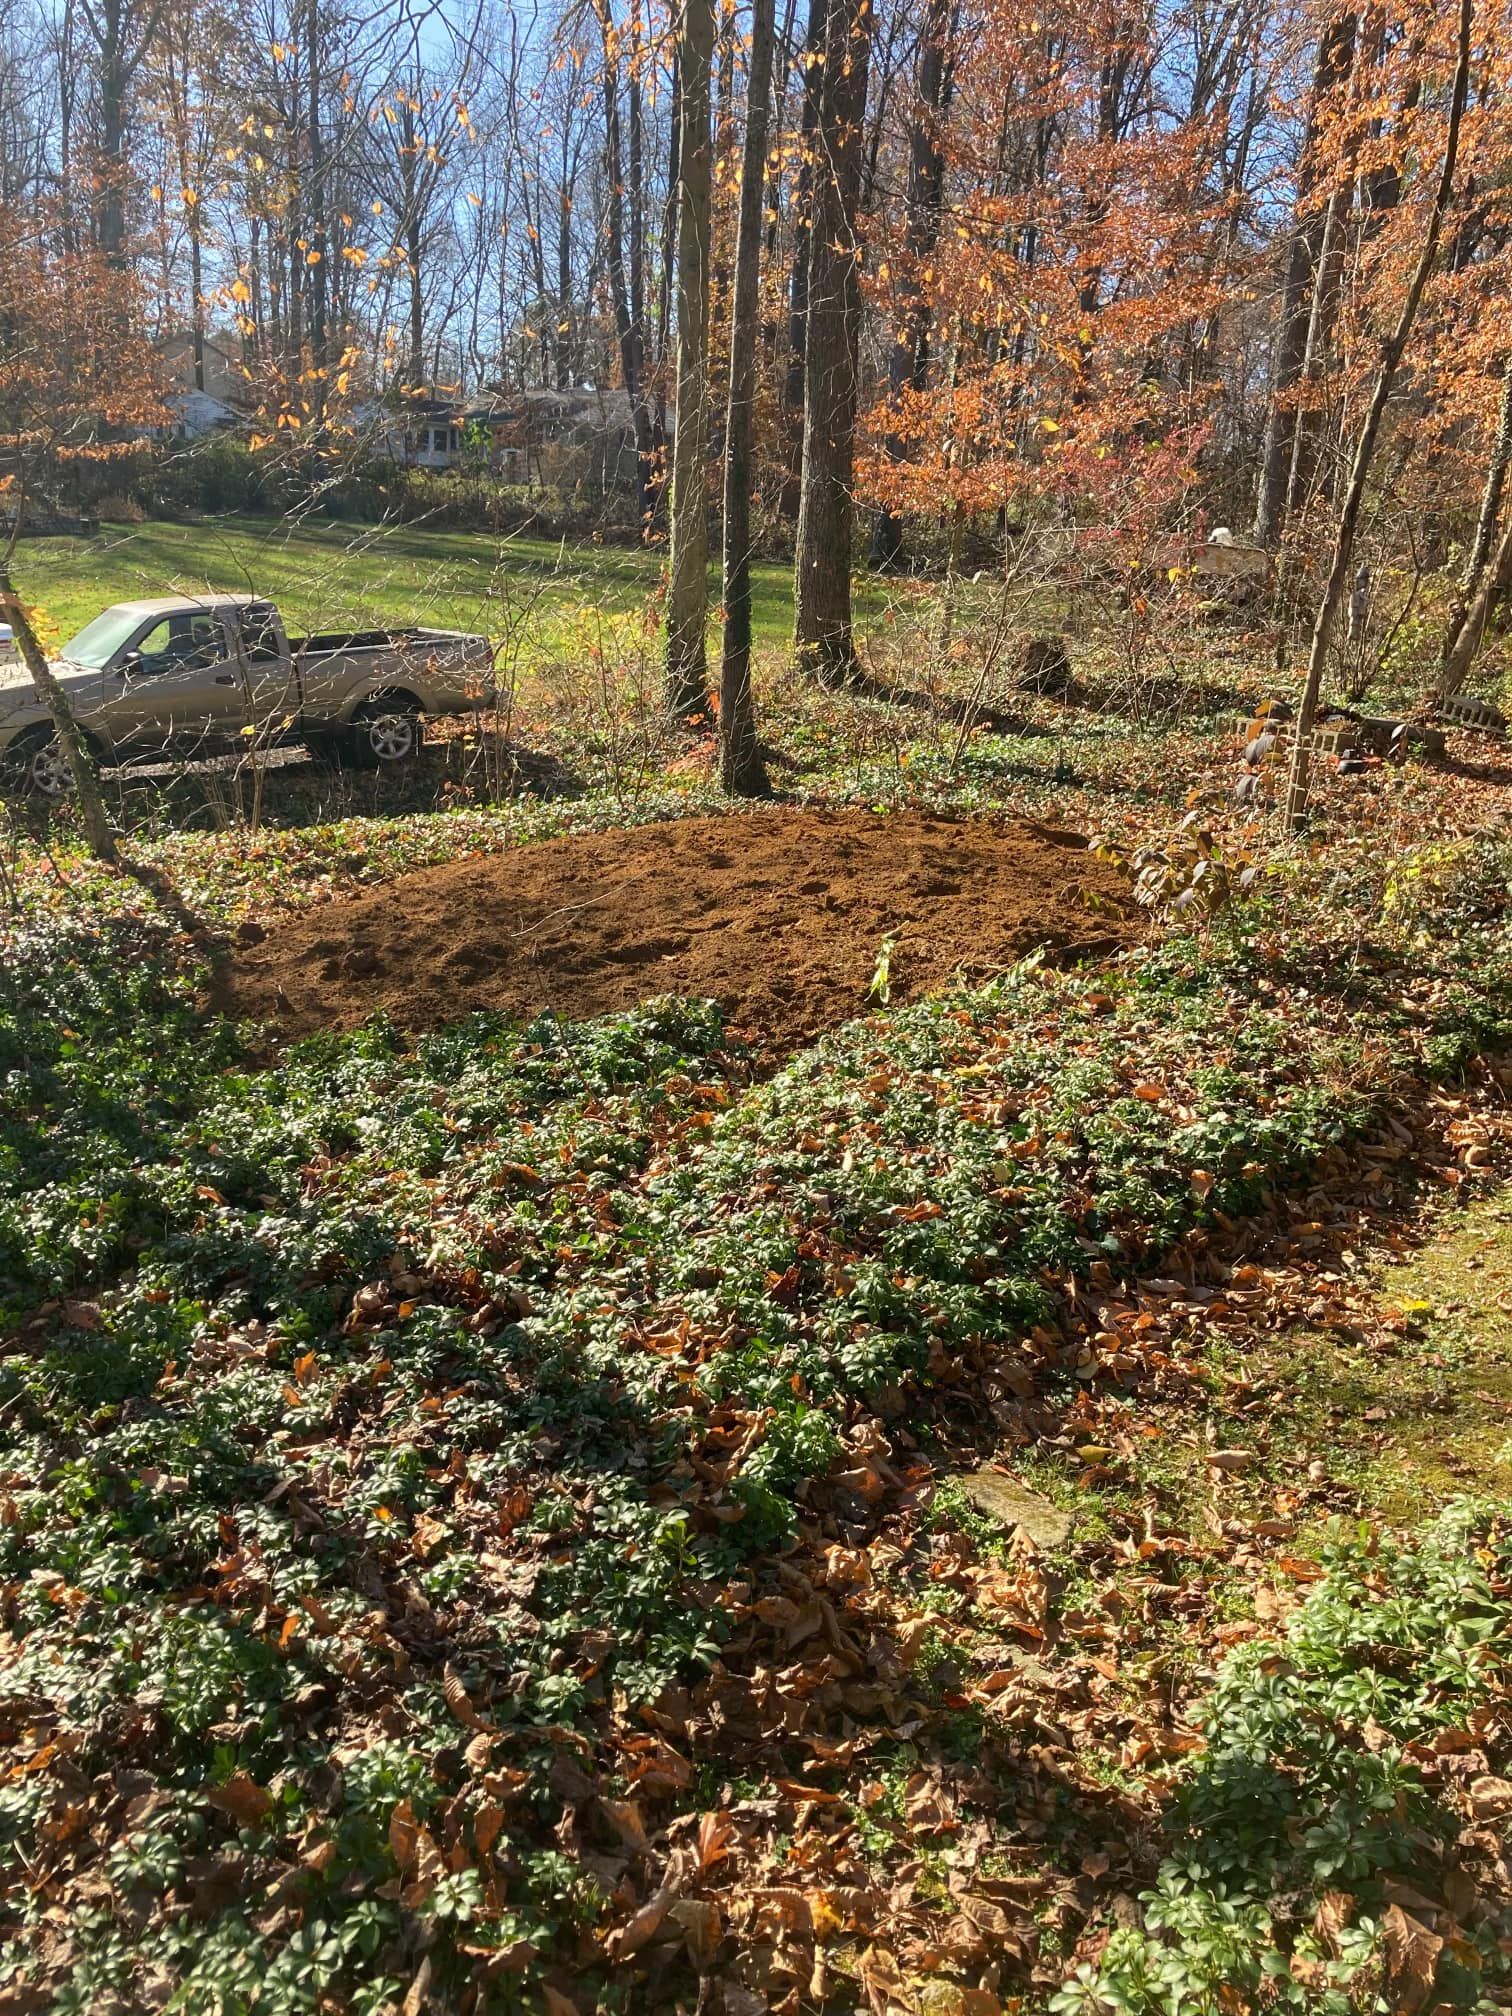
(92, 812)
(1392, 349)
(687, 680)
(626, 319)
(1485, 526)
(740, 766)
(1309, 418)
(1494, 583)
(564, 336)
(798, 285)
(315, 194)
(1335, 54)
(822, 591)
(908, 363)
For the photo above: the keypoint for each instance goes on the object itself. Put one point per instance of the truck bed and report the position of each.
(325, 642)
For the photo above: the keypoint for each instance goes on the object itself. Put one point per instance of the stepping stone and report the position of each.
(998, 1496)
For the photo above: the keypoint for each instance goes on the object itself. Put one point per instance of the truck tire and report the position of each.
(386, 732)
(34, 766)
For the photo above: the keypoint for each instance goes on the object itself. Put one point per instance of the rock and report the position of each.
(998, 1496)
(1043, 665)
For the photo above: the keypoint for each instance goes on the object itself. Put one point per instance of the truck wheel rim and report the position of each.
(50, 774)
(391, 737)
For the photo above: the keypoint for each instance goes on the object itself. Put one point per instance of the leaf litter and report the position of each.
(479, 1527)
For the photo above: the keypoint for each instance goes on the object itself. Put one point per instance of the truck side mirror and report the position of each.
(130, 665)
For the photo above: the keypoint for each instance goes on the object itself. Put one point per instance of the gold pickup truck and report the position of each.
(187, 676)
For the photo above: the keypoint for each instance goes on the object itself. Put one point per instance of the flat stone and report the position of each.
(998, 1496)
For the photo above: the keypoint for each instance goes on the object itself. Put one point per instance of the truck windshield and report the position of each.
(98, 642)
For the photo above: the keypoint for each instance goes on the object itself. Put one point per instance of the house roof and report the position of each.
(224, 379)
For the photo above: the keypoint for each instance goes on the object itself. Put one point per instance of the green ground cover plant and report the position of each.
(1320, 1799)
(402, 1443)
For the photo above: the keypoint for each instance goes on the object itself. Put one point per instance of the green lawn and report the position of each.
(323, 573)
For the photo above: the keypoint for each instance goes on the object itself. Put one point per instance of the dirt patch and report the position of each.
(777, 915)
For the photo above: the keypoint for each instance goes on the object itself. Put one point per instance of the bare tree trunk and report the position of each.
(740, 766)
(1392, 350)
(908, 364)
(626, 320)
(1309, 418)
(412, 248)
(197, 299)
(86, 785)
(1494, 583)
(798, 285)
(110, 204)
(654, 481)
(688, 591)
(1485, 526)
(664, 331)
(316, 263)
(564, 339)
(822, 590)
(1335, 55)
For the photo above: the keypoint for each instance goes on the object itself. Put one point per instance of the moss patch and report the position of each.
(1422, 1410)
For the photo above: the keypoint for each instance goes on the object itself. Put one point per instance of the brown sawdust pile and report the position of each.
(778, 915)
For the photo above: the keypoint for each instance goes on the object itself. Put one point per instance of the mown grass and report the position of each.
(324, 573)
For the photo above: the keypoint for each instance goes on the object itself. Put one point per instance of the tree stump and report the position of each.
(1042, 665)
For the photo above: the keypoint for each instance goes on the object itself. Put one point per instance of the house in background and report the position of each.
(199, 410)
(581, 435)
(419, 432)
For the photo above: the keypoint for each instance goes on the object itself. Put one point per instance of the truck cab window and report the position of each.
(180, 642)
(261, 634)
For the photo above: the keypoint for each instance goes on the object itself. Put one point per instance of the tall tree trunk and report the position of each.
(1485, 525)
(666, 335)
(1335, 55)
(627, 326)
(412, 251)
(1310, 418)
(688, 591)
(86, 785)
(564, 333)
(315, 195)
(822, 589)
(1495, 581)
(414, 238)
(197, 299)
(192, 199)
(112, 28)
(908, 363)
(740, 766)
(654, 481)
(798, 285)
(1392, 350)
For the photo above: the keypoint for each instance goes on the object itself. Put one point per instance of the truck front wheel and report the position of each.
(35, 766)
(386, 732)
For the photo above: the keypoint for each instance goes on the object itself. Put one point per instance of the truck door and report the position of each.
(178, 687)
(269, 677)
